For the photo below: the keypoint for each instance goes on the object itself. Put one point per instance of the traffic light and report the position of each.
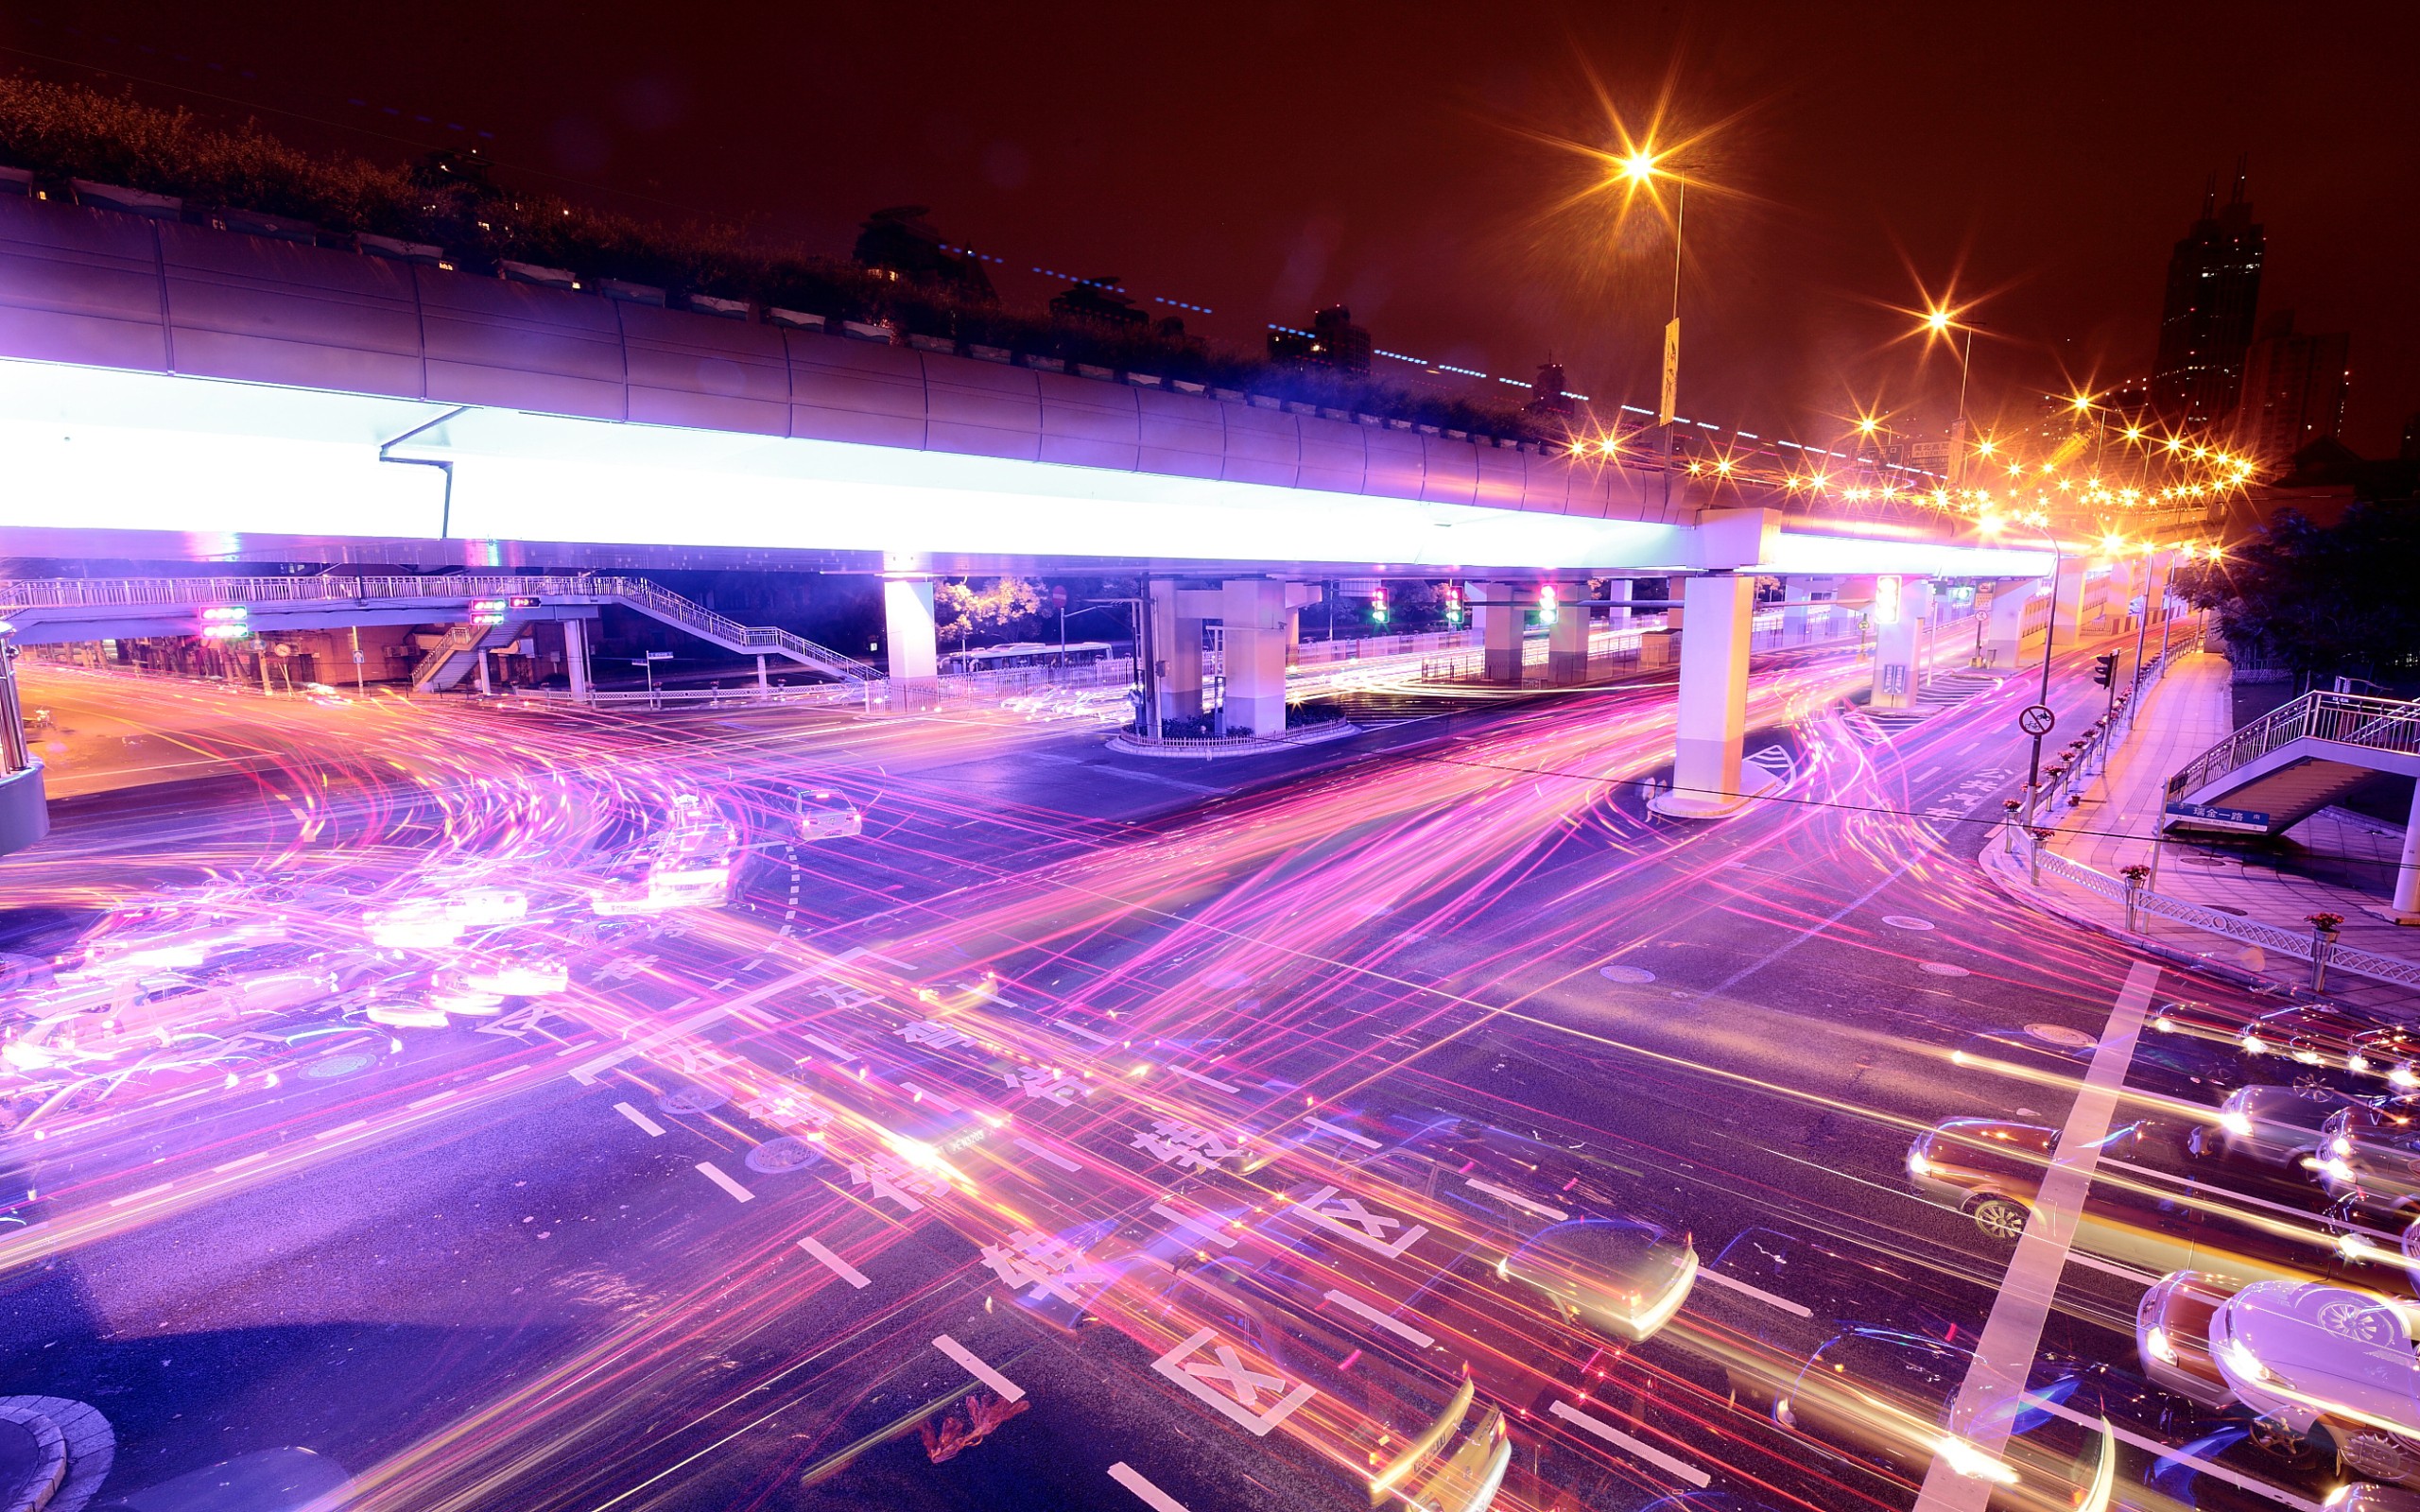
(2104, 669)
(1453, 606)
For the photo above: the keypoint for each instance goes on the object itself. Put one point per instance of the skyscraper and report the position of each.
(2294, 390)
(2205, 327)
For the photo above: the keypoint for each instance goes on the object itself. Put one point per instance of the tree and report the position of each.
(2321, 599)
(1006, 609)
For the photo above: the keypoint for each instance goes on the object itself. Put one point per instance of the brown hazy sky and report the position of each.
(1260, 158)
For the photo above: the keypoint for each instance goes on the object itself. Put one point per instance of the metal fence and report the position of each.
(2352, 719)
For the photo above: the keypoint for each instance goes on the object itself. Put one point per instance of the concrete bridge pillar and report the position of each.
(2004, 622)
(913, 646)
(1621, 590)
(575, 656)
(1567, 638)
(1255, 612)
(1500, 619)
(1176, 644)
(1902, 613)
(2066, 615)
(1714, 695)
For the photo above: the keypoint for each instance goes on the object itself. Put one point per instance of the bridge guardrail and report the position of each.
(2352, 719)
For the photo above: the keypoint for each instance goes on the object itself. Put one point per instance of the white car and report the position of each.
(824, 815)
(2313, 1356)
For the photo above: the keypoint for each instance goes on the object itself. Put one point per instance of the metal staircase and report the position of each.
(2299, 758)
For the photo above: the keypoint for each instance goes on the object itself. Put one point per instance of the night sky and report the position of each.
(1259, 159)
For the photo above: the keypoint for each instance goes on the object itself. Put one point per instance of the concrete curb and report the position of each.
(79, 1448)
(1209, 749)
(2009, 875)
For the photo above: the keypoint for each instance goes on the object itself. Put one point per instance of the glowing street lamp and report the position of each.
(1939, 321)
(1640, 170)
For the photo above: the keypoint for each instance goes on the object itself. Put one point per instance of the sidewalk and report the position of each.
(2226, 908)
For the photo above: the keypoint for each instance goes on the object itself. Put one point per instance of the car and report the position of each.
(2322, 1362)
(1989, 1169)
(1561, 1224)
(2181, 1068)
(2173, 1335)
(2274, 1128)
(2329, 1045)
(826, 814)
(2369, 1154)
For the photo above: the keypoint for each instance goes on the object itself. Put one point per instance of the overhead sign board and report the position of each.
(2249, 820)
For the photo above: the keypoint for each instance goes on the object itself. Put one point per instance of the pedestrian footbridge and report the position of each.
(2295, 761)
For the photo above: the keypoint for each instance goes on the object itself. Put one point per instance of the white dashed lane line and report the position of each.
(713, 1174)
(1393, 1325)
(834, 1263)
(647, 1126)
(1195, 1225)
(1150, 1495)
(1006, 1389)
(1060, 1160)
(1670, 1465)
(1758, 1292)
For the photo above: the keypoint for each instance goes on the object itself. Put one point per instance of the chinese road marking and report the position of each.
(1247, 1383)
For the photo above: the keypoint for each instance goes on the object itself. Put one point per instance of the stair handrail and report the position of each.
(456, 639)
(2346, 718)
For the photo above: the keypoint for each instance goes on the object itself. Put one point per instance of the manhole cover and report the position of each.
(691, 1099)
(1618, 973)
(2059, 1034)
(1945, 969)
(788, 1152)
(1905, 921)
(329, 1067)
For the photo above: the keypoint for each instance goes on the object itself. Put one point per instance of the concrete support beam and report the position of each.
(1899, 644)
(1176, 644)
(913, 647)
(2065, 616)
(1714, 697)
(1255, 612)
(1624, 589)
(1500, 622)
(2405, 908)
(1567, 638)
(575, 656)
(2004, 622)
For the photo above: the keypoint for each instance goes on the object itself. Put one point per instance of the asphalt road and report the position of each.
(679, 1223)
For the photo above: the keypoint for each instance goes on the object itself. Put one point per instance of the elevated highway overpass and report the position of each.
(178, 393)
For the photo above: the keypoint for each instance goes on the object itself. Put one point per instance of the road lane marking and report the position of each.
(925, 1094)
(827, 1047)
(1984, 1411)
(1758, 1292)
(1074, 1028)
(713, 1174)
(2152, 1446)
(1060, 1160)
(242, 1161)
(1393, 1325)
(1150, 1495)
(647, 1126)
(1228, 1364)
(1207, 1081)
(2140, 1277)
(508, 1070)
(835, 1263)
(1344, 1133)
(1202, 1226)
(1006, 1389)
(341, 1128)
(1507, 1193)
(586, 1072)
(138, 1196)
(1669, 1463)
(433, 1097)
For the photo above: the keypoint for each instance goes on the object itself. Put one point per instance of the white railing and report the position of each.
(456, 641)
(2292, 944)
(2351, 719)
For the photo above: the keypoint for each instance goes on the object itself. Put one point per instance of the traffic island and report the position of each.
(1216, 748)
(55, 1452)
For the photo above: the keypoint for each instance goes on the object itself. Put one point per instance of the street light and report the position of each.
(1939, 321)
(1640, 171)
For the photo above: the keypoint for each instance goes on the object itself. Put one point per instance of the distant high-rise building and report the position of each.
(2294, 385)
(899, 243)
(1333, 341)
(1547, 396)
(2206, 325)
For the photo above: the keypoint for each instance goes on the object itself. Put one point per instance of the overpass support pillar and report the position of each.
(1257, 612)
(2406, 908)
(1899, 644)
(1500, 618)
(2004, 623)
(2066, 616)
(1567, 639)
(1176, 646)
(1620, 590)
(1714, 697)
(913, 644)
(575, 656)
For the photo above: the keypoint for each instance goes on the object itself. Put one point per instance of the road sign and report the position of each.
(1927, 454)
(1058, 595)
(1671, 397)
(2250, 821)
(2037, 719)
